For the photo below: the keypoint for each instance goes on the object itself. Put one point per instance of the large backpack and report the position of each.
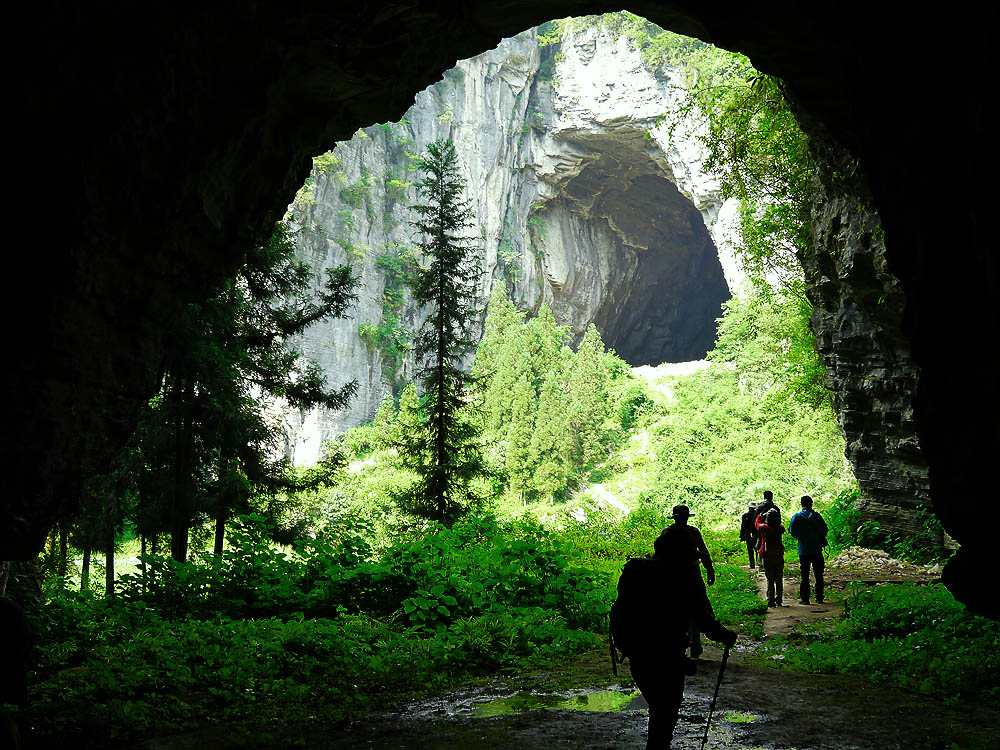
(771, 544)
(630, 618)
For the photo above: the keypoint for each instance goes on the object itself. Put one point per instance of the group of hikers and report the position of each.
(761, 529)
(654, 630)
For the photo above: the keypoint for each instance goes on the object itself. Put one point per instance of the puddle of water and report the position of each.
(735, 717)
(607, 701)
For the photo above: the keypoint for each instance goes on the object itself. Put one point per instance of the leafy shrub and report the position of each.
(914, 636)
(843, 521)
(258, 635)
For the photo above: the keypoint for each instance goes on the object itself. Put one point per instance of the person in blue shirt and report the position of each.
(809, 528)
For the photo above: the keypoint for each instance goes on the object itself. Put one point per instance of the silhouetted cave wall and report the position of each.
(154, 143)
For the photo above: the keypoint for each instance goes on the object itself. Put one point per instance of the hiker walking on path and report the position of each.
(772, 554)
(700, 555)
(809, 528)
(748, 531)
(657, 599)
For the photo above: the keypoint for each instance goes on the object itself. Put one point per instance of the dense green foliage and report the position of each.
(261, 635)
(549, 415)
(263, 638)
(753, 419)
(366, 601)
(914, 636)
(205, 447)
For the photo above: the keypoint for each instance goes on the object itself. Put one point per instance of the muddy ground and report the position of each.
(758, 707)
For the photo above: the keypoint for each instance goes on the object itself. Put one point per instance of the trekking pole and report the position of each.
(715, 697)
(614, 653)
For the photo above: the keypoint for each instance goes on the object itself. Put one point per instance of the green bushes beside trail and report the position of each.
(914, 636)
(259, 636)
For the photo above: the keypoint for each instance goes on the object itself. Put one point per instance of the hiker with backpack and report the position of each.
(771, 553)
(809, 528)
(748, 532)
(658, 598)
(700, 556)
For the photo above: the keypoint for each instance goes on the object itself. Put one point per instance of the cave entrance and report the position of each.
(665, 293)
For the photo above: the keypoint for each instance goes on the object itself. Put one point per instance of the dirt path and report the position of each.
(758, 707)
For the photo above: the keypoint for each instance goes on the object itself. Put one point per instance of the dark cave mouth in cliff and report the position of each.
(671, 313)
(665, 302)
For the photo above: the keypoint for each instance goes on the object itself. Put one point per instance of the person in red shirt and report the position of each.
(771, 553)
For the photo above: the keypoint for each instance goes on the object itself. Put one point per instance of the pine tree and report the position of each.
(444, 455)
(206, 437)
(519, 434)
(546, 345)
(551, 443)
(502, 319)
(586, 401)
(512, 364)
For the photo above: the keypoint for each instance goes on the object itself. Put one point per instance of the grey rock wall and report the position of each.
(858, 307)
(582, 202)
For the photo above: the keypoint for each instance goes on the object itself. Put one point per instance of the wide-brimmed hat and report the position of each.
(681, 511)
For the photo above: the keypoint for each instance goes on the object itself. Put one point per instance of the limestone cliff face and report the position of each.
(582, 202)
(858, 307)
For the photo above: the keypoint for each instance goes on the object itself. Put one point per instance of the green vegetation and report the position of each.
(399, 266)
(338, 590)
(204, 447)
(258, 637)
(914, 636)
(261, 635)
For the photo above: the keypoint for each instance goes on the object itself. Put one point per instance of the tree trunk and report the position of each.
(153, 547)
(85, 571)
(63, 547)
(220, 533)
(181, 505)
(109, 573)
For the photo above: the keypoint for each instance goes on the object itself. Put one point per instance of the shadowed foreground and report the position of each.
(770, 708)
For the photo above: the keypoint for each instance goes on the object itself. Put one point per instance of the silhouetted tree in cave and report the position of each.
(205, 440)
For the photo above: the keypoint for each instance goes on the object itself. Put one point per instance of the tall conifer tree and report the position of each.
(445, 455)
(519, 433)
(206, 437)
(551, 443)
(587, 393)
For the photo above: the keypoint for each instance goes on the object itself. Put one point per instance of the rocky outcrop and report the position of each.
(584, 201)
(858, 308)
